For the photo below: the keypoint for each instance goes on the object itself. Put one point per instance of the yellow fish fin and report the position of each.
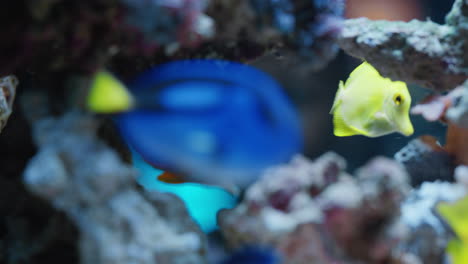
(364, 69)
(337, 100)
(458, 251)
(341, 129)
(456, 214)
(108, 95)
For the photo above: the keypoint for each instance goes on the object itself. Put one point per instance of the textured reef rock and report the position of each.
(7, 96)
(426, 160)
(314, 212)
(45, 36)
(303, 31)
(422, 52)
(308, 27)
(167, 22)
(461, 175)
(429, 234)
(86, 179)
(458, 112)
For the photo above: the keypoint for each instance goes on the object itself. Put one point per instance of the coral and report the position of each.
(426, 160)
(428, 233)
(86, 179)
(425, 53)
(178, 23)
(31, 231)
(458, 112)
(47, 36)
(309, 27)
(434, 107)
(7, 96)
(461, 174)
(54, 35)
(304, 31)
(317, 213)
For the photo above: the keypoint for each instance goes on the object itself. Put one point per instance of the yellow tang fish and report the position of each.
(371, 105)
(456, 214)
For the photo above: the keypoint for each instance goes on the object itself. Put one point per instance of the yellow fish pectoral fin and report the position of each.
(341, 129)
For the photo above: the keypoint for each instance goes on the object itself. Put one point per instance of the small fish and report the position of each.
(212, 121)
(456, 215)
(371, 105)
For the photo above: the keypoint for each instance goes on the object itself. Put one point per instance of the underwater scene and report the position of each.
(234, 131)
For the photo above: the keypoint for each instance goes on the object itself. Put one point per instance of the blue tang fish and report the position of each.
(215, 122)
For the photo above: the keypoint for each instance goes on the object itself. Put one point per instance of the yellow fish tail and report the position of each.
(108, 95)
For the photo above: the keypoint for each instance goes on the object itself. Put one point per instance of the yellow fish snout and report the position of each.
(405, 126)
(408, 130)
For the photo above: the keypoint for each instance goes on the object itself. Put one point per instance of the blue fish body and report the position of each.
(253, 255)
(211, 120)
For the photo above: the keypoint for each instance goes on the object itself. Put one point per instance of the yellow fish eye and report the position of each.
(398, 99)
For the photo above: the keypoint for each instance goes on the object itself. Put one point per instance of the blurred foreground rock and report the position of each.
(314, 212)
(86, 179)
(429, 234)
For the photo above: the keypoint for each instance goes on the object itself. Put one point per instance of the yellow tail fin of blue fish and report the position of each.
(108, 95)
